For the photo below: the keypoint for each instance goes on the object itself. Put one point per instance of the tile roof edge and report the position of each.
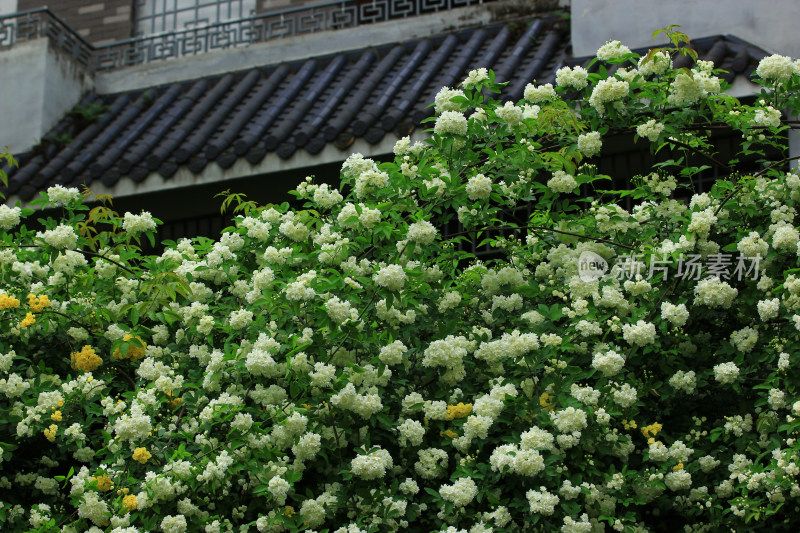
(240, 169)
(307, 46)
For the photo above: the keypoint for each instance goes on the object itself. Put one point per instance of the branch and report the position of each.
(735, 191)
(84, 252)
(542, 228)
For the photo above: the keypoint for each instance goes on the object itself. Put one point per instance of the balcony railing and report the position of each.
(258, 28)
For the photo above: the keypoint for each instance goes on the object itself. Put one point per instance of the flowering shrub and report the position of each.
(345, 368)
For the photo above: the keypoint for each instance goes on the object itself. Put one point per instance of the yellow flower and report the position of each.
(175, 402)
(651, 430)
(29, 320)
(546, 401)
(86, 360)
(141, 455)
(678, 467)
(458, 411)
(136, 350)
(289, 511)
(449, 433)
(104, 483)
(56, 417)
(38, 303)
(629, 424)
(129, 503)
(8, 302)
(50, 432)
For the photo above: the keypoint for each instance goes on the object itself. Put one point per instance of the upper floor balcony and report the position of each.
(179, 28)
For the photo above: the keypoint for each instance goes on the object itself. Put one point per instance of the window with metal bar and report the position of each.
(158, 16)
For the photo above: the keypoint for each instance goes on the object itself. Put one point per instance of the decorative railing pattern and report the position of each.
(261, 27)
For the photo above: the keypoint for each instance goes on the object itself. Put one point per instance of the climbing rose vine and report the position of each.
(345, 366)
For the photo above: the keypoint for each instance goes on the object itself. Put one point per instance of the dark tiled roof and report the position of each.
(276, 110)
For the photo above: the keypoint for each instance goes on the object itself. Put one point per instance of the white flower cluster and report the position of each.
(293, 229)
(479, 187)
(590, 143)
(442, 103)
(777, 68)
(683, 381)
(542, 501)
(451, 122)
(702, 221)
(391, 277)
(136, 224)
(768, 309)
(307, 446)
(608, 363)
(240, 318)
(536, 94)
(785, 236)
(279, 488)
(657, 64)
(640, 334)
(561, 182)
(9, 216)
(512, 345)
(768, 116)
(95, 509)
(650, 129)
(475, 77)
(134, 426)
(577, 526)
(569, 420)
(714, 293)
(299, 289)
(422, 232)
(259, 361)
(626, 395)
(61, 237)
(173, 524)
(753, 245)
(612, 50)
(392, 354)
(745, 339)
(350, 216)
(411, 432)
(608, 91)
(677, 315)
(340, 311)
(461, 492)
(372, 465)
(572, 78)
(365, 405)
(680, 480)
(689, 88)
(510, 114)
(448, 301)
(726, 373)
(448, 353)
(60, 195)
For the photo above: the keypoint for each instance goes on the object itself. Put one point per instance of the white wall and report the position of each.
(770, 24)
(39, 85)
(8, 6)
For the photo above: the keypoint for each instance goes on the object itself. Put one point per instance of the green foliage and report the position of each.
(349, 367)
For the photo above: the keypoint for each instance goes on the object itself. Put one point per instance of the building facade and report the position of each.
(167, 119)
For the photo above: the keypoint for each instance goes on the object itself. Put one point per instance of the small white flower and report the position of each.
(136, 224)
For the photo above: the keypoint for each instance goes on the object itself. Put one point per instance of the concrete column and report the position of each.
(8, 6)
(40, 83)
